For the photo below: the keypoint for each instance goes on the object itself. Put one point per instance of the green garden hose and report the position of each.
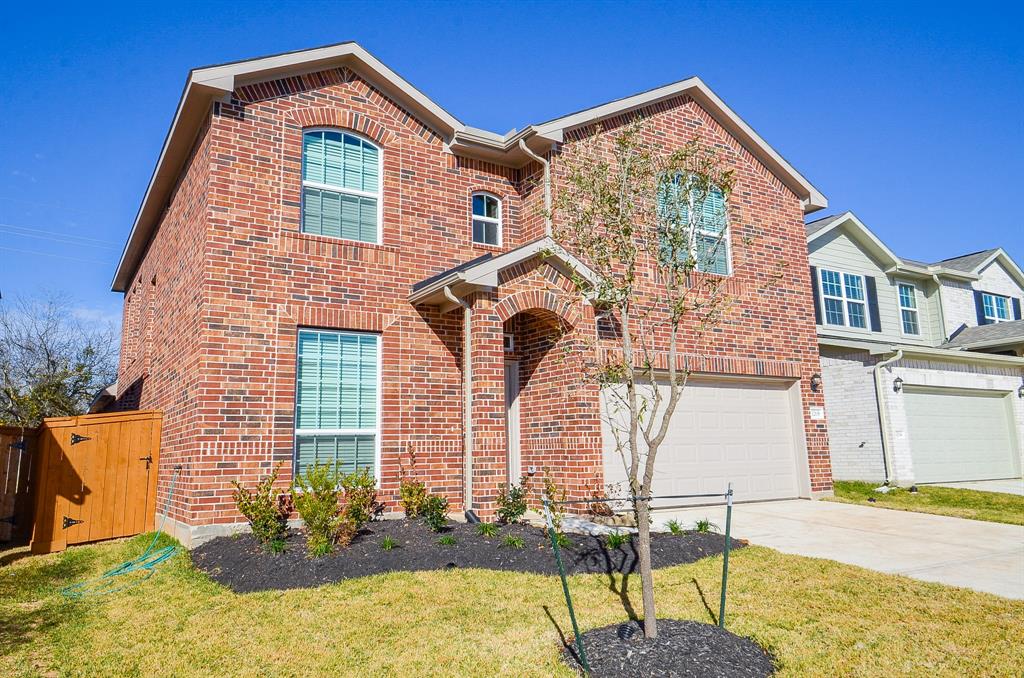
(108, 582)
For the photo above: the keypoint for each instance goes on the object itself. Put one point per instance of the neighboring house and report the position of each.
(921, 362)
(328, 266)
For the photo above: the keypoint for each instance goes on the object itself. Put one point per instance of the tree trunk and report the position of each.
(643, 525)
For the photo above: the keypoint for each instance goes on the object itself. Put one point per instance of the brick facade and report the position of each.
(211, 318)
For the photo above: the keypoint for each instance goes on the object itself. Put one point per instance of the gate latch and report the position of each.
(148, 459)
(68, 522)
(75, 438)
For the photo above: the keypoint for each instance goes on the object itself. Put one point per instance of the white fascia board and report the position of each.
(862, 233)
(962, 356)
(1009, 264)
(811, 197)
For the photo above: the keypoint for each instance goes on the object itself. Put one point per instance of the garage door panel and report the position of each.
(958, 435)
(725, 431)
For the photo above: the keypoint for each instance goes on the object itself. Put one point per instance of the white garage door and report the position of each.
(960, 435)
(723, 431)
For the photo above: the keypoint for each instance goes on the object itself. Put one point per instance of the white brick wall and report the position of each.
(852, 413)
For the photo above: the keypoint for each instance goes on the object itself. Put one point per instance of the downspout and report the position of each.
(942, 312)
(467, 399)
(883, 418)
(548, 230)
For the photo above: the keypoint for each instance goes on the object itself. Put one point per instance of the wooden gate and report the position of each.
(96, 478)
(17, 450)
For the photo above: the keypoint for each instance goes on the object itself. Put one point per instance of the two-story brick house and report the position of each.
(329, 266)
(922, 366)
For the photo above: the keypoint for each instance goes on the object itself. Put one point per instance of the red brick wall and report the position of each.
(236, 279)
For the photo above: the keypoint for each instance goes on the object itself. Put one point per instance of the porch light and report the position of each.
(815, 382)
(897, 384)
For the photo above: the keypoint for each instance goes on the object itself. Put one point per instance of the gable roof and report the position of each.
(988, 336)
(964, 267)
(210, 83)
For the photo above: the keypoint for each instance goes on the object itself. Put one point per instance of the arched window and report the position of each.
(486, 219)
(693, 224)
(340, 186)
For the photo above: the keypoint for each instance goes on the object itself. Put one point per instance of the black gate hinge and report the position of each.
(68, 522)
(18, 445)
(75, 438)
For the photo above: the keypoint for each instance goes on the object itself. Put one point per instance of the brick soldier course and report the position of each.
(218, 279)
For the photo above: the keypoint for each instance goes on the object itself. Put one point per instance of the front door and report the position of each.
(515, 469)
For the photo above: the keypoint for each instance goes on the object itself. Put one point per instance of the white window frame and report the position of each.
(723, 238)
(375, 432)
(915, 309)
(844, 299)
(378, 195)
(996, 318)
(509, 342)
(490, 220)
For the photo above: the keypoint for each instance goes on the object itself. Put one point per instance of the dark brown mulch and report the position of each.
(240, 563)
(687, 649)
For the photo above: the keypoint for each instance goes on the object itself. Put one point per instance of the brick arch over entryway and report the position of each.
(538, 299)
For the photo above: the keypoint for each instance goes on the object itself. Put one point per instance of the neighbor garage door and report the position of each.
(960, 435)
(723, 431)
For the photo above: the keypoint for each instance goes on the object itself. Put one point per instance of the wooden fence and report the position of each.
(17, 452)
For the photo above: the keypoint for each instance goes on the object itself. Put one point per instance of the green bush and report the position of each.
(264, 510)
(388, 543)
(705, 525)
(446, 540)
(412, 495)
(487, 530)
(361, 504)
(435, 512)
(618, 539)
(316, 494)
(674, 527)
(513, 541)
(512, 503)
(563, 541)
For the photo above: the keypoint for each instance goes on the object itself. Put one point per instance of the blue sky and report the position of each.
(910, 115)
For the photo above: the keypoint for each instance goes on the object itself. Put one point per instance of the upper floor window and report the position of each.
(842, 295)
(340, 186)
(693, 224)
(486, 219)
(908, 309)
(997, 308)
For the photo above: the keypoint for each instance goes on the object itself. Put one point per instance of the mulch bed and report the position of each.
(682, 648)
(239, 562)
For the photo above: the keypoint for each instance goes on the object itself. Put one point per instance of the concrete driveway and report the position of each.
(1010, 486)
(970, 553)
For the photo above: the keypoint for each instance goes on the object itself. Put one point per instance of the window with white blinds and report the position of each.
(337, 400)
(340, 186)
(694, 225)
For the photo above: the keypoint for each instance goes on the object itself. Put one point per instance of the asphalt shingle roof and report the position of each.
(1012, 332)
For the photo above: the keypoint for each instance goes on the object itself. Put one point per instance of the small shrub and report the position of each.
(487, 530)
(512, 502)
(435, 512)
(388, 543)
(446, 540)
(618, 539)
(412, 495)
(674, 527)
(563, 541)
(263, 508)
(361, 504)
(705, 525)
(513, 541)
(276, 546)
(315, 494)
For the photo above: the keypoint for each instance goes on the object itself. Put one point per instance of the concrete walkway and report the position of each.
(970, 553)
(1010, 486)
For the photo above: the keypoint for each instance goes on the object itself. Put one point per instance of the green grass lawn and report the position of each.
(995, 507)
(818, 617)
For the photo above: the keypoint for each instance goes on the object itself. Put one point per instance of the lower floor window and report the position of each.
(337, 417)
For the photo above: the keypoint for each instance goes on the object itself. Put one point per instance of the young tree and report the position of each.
(651, 224)
(51, 363)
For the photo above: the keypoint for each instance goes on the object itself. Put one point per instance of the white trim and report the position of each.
(844, 299)
(490, 220)
(375, 432)
(378, 196)
(916, 309)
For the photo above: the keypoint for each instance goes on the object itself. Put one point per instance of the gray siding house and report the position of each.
(922, 363)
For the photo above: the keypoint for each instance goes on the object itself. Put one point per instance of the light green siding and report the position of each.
(837, 251)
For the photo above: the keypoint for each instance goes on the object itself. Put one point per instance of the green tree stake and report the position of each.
(725, 556)
(565, 588)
